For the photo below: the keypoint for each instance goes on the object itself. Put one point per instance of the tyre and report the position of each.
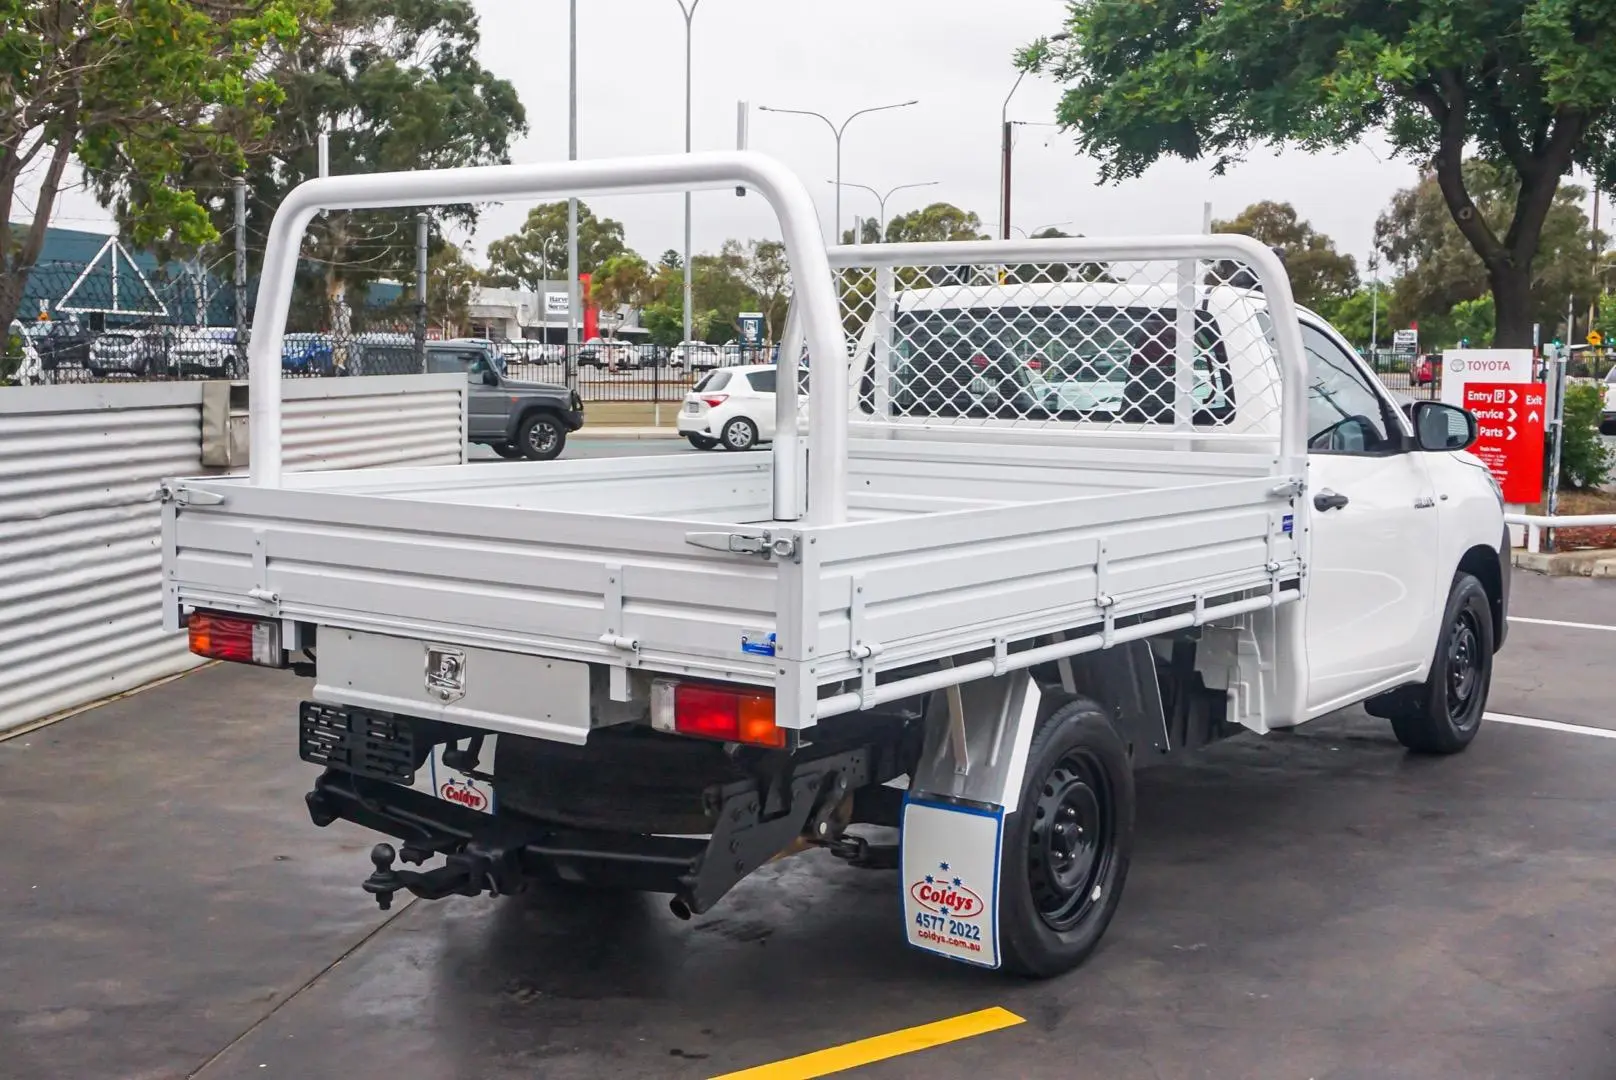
(1067, 846)
(541, 437)
(702, 442)
(739, 434)
(1443, 714)
(506, 451)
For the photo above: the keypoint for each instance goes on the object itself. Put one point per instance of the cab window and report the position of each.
(1344, 413)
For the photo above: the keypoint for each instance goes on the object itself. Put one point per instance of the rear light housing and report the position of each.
(738, 714)
(714, 400)
(239, 639)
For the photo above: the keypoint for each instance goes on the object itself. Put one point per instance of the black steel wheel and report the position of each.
(542, 437)
(1067, 846)
(1443, 714)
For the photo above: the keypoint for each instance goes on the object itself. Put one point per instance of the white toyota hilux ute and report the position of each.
(1041, 513)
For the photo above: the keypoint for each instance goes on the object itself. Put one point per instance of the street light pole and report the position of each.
(881, 200)
(572, 155)
(689, 12)
(837, 132)
(1374, 307)
(1006, 151)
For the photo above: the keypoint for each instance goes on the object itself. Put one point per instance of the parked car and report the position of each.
(203, 350)
(1607, 419)
(697, 356)
(514, 419)
(60, 343)
(607, 353)
(308, 354)
(1425, 368)
(730, 407)
(125, 352)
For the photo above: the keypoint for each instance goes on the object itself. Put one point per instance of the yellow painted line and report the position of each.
(881, 1047)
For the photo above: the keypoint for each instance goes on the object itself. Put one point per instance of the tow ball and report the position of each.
(466, 874)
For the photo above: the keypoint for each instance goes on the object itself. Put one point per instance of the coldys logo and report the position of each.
(463, 794)
(946, 895)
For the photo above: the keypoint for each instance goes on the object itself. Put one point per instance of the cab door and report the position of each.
(1374, 536)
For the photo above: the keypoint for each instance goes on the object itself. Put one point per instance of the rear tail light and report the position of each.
(1035, 365)
(239, 639)
(740, 714)
(980, 363)
(714, 400)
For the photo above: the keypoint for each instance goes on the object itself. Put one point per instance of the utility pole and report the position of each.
(1374, 306)
(420, 292)
(1006, 151)
(239, 277)
(572, 204)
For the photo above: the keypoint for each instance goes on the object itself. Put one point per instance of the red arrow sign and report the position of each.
(1510, 443)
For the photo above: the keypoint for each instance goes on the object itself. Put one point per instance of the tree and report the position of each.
(1439, 268)
(1320, 275)
(624, 281)
(937, 222)
(869, 232)
(1529, 83)
(672, 260)
(1352, 316)
(766, 271)
(451, 280)
(397, 87)
(719, 292)
(1053, 272)
(134, 91)
(1473, 322)
(537, 252)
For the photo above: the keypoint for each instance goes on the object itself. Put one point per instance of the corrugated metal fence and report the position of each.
(80, 566)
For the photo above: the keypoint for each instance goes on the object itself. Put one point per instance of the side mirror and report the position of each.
(1439, 427)
(490, 378)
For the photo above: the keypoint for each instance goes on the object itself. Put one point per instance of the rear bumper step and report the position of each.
(755, 822)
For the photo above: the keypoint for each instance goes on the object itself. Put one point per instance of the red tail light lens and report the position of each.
(980, 363)
(239, 639)
(1035, 365)
(731, 714)
(714, 400)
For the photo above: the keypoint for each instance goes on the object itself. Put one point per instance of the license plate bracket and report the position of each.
(360, 741)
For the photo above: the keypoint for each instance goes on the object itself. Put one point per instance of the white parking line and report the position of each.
(1549, 725)
(1556, 622)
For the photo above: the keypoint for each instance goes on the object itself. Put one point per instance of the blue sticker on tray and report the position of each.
(1288, 523)
(758, 643)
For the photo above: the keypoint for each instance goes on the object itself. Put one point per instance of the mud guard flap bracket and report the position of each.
(976, 744)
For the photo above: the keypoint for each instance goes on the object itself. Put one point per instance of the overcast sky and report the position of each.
(837, 56)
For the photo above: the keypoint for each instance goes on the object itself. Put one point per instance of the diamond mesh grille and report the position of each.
(1151, 345)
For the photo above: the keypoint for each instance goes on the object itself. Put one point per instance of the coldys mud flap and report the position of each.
(950, 875)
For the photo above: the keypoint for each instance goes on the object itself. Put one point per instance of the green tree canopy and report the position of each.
(397, 86)
(938, 222)
(451, 279)
(1438, 269)
(135, 90)
(537, 252)
(1321, 276)
(1529, 84)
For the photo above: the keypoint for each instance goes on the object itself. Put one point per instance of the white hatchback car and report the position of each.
(730, 407)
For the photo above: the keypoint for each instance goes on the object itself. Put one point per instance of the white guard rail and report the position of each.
(785, 193)
(1536, 523)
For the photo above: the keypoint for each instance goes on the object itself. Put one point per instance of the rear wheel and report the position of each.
(542, 438)
(739, 434)
(702, 442)
(1443, 714)
(1067, 846)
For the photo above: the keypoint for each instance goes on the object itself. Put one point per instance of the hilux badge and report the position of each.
(445, 673)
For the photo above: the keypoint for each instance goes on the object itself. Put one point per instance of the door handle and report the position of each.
(1328, 500)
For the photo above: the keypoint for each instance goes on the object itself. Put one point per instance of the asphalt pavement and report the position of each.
(1312, 904)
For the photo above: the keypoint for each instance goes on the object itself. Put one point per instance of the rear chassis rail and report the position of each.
(789, 799)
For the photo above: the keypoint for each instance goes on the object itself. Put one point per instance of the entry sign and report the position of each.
(1510, 417)
(751, 325)
(1406, 342)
